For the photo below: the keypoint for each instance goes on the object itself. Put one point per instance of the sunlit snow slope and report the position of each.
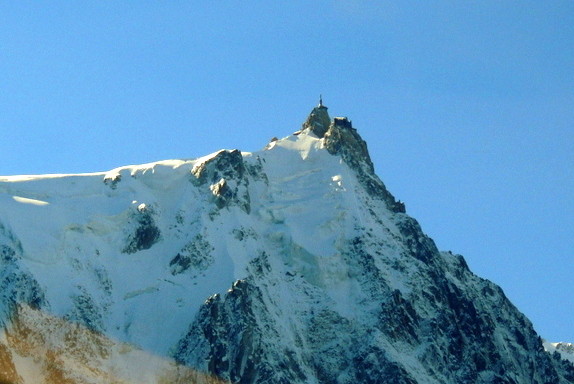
(293, 264)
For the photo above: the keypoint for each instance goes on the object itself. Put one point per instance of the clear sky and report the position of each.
(467, 107)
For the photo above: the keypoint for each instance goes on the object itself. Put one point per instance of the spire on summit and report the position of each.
(318, 121)
(321, 102)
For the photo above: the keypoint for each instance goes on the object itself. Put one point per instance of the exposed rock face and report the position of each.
(224, 165)
(566, 350)
(233, 342)
(17, 285)
(461, 328)
(289, 265)
(225, 173)
(145, 232)
(318, 121)
(343, 140)
(196, 254)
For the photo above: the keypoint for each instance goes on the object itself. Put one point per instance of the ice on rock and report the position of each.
(293, 264)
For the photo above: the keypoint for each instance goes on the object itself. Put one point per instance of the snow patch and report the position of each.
(25, 200)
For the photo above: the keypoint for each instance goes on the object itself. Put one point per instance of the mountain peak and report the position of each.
(339, 136)
(318, 120)
(293, 264)
(341, 139)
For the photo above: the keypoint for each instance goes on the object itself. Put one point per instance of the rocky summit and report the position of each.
(293, 264)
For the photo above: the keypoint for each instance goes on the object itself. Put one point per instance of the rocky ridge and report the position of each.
(289, 265)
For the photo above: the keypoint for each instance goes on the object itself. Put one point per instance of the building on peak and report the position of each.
(342, 122)
(318, 120)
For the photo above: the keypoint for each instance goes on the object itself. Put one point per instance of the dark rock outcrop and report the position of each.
(233, 338)
(17, 285)
(196, 254)
(145, 234)
(343, 140)
(225, 174)
(318, 121)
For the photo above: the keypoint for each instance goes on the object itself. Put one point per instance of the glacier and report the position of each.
(293, 264)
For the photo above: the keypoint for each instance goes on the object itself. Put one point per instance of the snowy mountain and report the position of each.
(565, 350)
(293, 264)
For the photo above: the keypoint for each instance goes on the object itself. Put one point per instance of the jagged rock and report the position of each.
(232, 344)
(113, 180)
(289, 265)
(222, 192)
(227, 165)
(17, 284)
(318, 121)
(226, 175)
(86, 311)
(195, 254)
(343, 140)
(145, 234)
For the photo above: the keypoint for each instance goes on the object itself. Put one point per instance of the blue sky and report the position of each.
(467, 107)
